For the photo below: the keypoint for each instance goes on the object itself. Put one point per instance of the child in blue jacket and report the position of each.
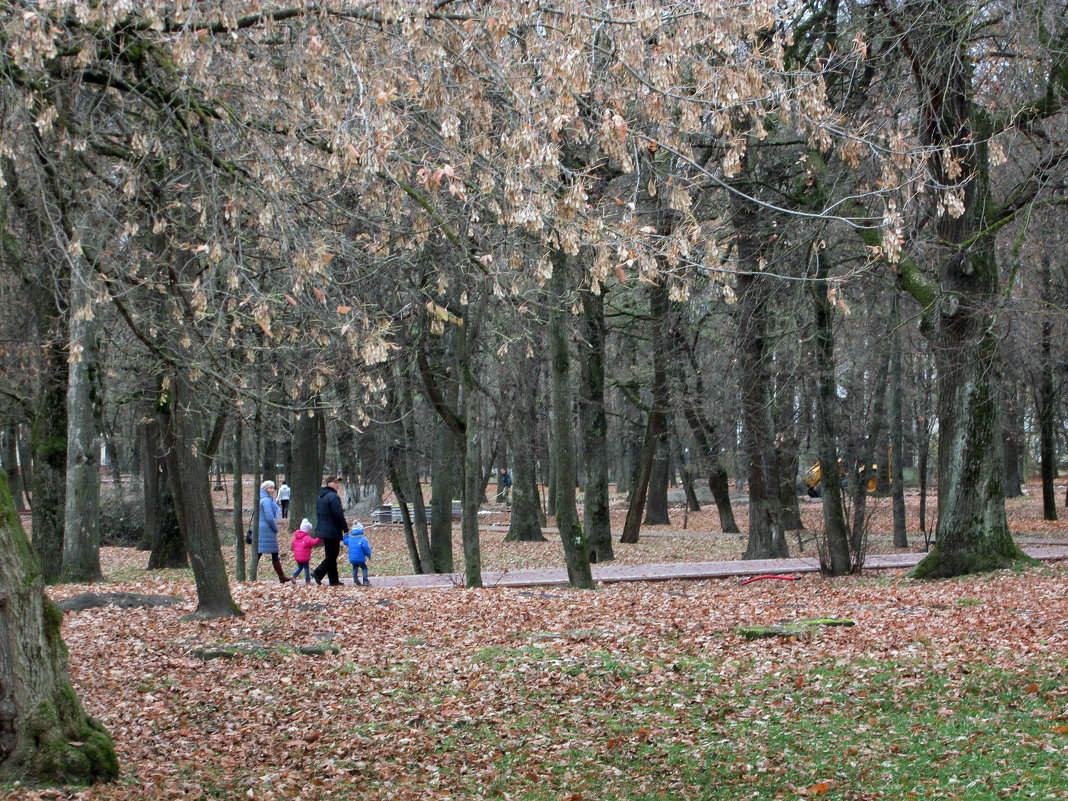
(359, 553)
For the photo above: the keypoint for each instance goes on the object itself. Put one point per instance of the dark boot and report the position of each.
(282, 577)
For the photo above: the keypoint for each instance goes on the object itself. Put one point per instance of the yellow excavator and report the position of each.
(812, 478)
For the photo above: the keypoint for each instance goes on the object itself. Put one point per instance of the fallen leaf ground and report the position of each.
(949, 690)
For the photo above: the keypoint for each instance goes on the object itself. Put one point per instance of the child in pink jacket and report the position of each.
(303, 542)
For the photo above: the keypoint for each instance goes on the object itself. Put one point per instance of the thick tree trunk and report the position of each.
(168, 545)
(188, 472)
(161, 519)
(348, 459)
(595, 513)
(306, 461)
(525, 523)
(973, 533)
(442, 482)
(835, 560)
(766, 537)
(572, 537)
(786, 471)
(45, 735)
(85, 399)
(48, 445)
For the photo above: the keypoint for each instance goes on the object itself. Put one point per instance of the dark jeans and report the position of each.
(285, 507)
(356, 568)
(328, 567)
(303, 566)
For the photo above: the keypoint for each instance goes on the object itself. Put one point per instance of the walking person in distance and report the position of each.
(283, 499)
(268, 530)
(330, 528)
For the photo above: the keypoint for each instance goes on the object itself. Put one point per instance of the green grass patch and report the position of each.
(614, 725)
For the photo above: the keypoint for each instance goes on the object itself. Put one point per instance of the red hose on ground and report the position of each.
(758, 578)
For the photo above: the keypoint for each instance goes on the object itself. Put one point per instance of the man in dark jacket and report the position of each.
(330, 528)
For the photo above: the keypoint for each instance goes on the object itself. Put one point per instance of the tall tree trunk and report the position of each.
(306, 462)
(973, 533)
(525, 522)
(766, 537)
(188, 472)
(572, 537)
(411, 466)
(786, 471)
(897, 438)
(472, 461)
(45, 735)
(640, 489)
(48, 446)
(1045, 401)
(348, 459)
(837, 560)
(46, 283)
(147, 443)
(239, 500)
(167, 545)
(269, 454)
(442, 482)
(85, 391)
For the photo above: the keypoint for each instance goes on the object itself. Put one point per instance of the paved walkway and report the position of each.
(692, 571)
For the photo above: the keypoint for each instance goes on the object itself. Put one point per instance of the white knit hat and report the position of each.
(305, 525)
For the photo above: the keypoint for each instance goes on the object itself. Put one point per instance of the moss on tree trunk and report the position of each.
(45, 735)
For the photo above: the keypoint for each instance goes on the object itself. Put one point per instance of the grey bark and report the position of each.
(525, 522)
(85, 391)
(306, 462)
(239, 500)
(837, 560)
(766, 537)
(188, 470)
(572, 537)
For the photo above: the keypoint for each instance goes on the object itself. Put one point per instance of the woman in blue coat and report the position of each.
(268, 530)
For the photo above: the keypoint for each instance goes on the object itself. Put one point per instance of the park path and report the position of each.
(686, 571)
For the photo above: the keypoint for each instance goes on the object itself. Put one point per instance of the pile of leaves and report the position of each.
(949, 689)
